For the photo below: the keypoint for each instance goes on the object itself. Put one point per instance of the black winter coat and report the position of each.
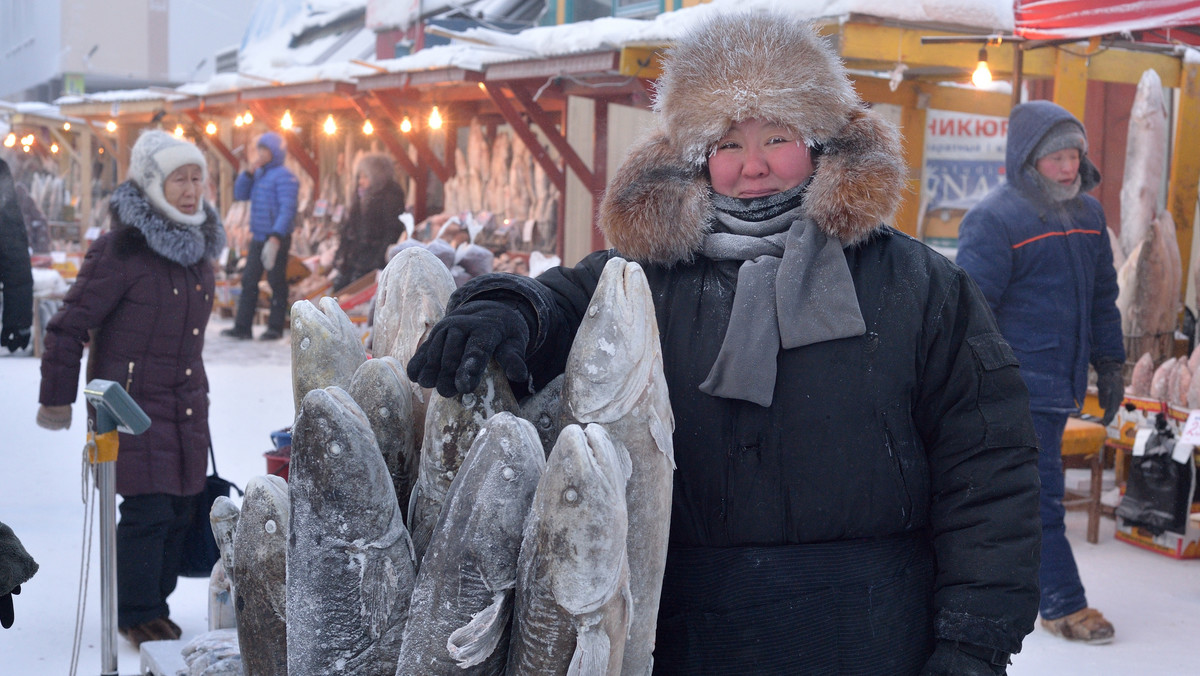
(149, 314)
(15, 274)
(373, 225)
(920, 426)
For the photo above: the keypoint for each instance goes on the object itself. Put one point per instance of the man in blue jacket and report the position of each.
(272, 190)
(1038, 248)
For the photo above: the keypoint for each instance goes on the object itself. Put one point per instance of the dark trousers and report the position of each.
(149, 545)
(276, 277)
(1062, 590)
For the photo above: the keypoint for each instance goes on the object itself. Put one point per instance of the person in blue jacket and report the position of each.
(1038, 248)
(272, 190)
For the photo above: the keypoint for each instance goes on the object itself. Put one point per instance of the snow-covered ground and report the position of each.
(1153, 601)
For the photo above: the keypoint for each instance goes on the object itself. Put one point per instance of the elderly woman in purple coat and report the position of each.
(141, 302)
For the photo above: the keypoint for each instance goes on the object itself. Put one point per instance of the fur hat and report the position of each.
(735, 67)
(377, 167)
(761, 66)
(155, 155)
(1065, 134)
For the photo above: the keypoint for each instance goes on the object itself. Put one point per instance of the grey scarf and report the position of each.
(794, 289)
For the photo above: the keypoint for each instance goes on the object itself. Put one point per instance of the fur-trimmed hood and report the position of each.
(178, 242)
(752, 66)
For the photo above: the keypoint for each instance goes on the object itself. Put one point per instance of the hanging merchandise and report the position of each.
(1159, 491)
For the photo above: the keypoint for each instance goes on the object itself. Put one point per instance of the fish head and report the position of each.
(413, 291)
(504, 465)
(265, 507)
(581, 501)
(382, 389)
(336, 466)
(326, 348)
(611, 360)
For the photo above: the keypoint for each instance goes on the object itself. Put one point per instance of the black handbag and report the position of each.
(1158, 492)
(200, 551)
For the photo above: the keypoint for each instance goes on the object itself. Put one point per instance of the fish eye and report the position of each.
(335, 449)
(570, 495)
(544, 421)
(508, 473)
(270, 526)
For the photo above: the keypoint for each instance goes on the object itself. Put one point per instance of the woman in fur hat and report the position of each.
(142, 301)
(859, 496)
(374, 221)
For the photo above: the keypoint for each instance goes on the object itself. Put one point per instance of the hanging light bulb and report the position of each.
(111, 126)
(27, 140)
(286, 122)
(66, 126)
(179, 130)
(25, 148)
(54, 148)
(330, 126)
(247, 118)
(405, 125)
(368, 128)
(210, 128)
(238, 121)
(100, 150)
(982, 76)
(10, 140)
(435, 119)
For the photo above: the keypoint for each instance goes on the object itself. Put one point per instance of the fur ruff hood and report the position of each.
(753, 66)
(177, 242)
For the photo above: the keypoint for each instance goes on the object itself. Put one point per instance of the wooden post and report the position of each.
(1185, 165)
(85, 159)
(599, 166)
(1070, 81)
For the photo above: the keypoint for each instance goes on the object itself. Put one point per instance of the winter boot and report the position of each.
(1086, 625)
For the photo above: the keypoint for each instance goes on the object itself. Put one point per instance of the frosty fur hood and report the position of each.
(733, 68)
(178, 242)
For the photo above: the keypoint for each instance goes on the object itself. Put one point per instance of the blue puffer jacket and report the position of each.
(272, 191)
(1045, 268)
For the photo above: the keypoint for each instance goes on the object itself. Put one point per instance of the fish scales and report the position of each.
(382, 389)
(451, 425)
(350, 563)
(464, 591)
(260, 560)
(573, 604)
(326, 348)
(614, 377)
(412, 292)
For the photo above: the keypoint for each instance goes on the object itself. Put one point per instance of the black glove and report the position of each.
(1110, 387)
(6, 607)
(459, 347)
(13, 338)
(951, 658)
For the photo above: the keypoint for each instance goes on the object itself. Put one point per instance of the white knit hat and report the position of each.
(153, 158)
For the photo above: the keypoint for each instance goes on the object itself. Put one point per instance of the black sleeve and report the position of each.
(557, 299)
(973, 415)
(15, 273)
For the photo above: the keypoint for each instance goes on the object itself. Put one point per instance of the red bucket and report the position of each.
(278, 461)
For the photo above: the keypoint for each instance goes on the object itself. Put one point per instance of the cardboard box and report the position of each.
(1174, 545)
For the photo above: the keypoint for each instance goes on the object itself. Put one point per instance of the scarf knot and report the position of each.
(794, 288)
